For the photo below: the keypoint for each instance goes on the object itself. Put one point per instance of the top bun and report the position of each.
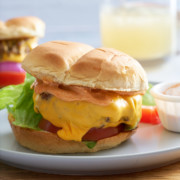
(108, 69)
(50, 61)
(71, 63)
(22, 27)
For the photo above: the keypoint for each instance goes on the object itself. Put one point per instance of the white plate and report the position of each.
(152, 146)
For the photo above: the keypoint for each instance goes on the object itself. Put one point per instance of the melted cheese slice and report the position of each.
(13, 57)
(76, 118)
(31, 43)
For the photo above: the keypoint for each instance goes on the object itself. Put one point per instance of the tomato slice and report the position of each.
(150, 115)
(11, 78)
(47, 126)
(93, 134)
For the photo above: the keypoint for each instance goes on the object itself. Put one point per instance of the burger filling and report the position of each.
(16, 49)
(77, 114)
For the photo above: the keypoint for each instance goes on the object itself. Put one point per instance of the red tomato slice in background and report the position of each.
(150, 115)
(11, 78)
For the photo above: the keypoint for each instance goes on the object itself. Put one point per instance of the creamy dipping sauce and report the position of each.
(173, 90)
(167, 98)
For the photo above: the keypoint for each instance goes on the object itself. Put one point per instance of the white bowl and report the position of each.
(168, 106)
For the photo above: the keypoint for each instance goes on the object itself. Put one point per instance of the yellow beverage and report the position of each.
(144, 32)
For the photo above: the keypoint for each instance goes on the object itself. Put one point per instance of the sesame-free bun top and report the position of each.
(22, 27)
(52, 60)
(71, 63)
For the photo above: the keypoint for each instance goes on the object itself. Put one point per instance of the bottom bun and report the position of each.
(46, 142)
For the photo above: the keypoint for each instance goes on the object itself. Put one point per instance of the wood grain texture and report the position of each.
(171, 172)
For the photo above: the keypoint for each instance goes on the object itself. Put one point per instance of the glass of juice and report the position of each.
(144, 29)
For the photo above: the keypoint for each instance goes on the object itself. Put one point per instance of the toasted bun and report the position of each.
(45, 142)
(52, 60)
(102, 68)
(22, 27)
(108, 69)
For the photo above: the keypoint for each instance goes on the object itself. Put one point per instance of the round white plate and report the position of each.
(152, 146)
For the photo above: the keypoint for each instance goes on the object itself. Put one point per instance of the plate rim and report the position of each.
(78, 157)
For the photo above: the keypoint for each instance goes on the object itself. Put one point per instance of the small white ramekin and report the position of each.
(168, 106)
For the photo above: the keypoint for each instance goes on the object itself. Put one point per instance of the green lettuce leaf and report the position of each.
(10, 94)
(90, 144)
(19, 102)
(148, 99)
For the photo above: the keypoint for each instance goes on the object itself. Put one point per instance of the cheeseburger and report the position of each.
(88, 99)
(17, 38)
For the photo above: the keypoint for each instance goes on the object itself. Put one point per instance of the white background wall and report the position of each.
(74, 20)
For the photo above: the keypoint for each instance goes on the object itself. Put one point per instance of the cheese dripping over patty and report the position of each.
(76, 118)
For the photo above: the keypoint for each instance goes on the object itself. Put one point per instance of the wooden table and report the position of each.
(171, 172)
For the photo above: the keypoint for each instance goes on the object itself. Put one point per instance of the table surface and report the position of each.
(168, 172)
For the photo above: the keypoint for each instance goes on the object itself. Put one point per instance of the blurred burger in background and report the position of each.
(18, 36)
